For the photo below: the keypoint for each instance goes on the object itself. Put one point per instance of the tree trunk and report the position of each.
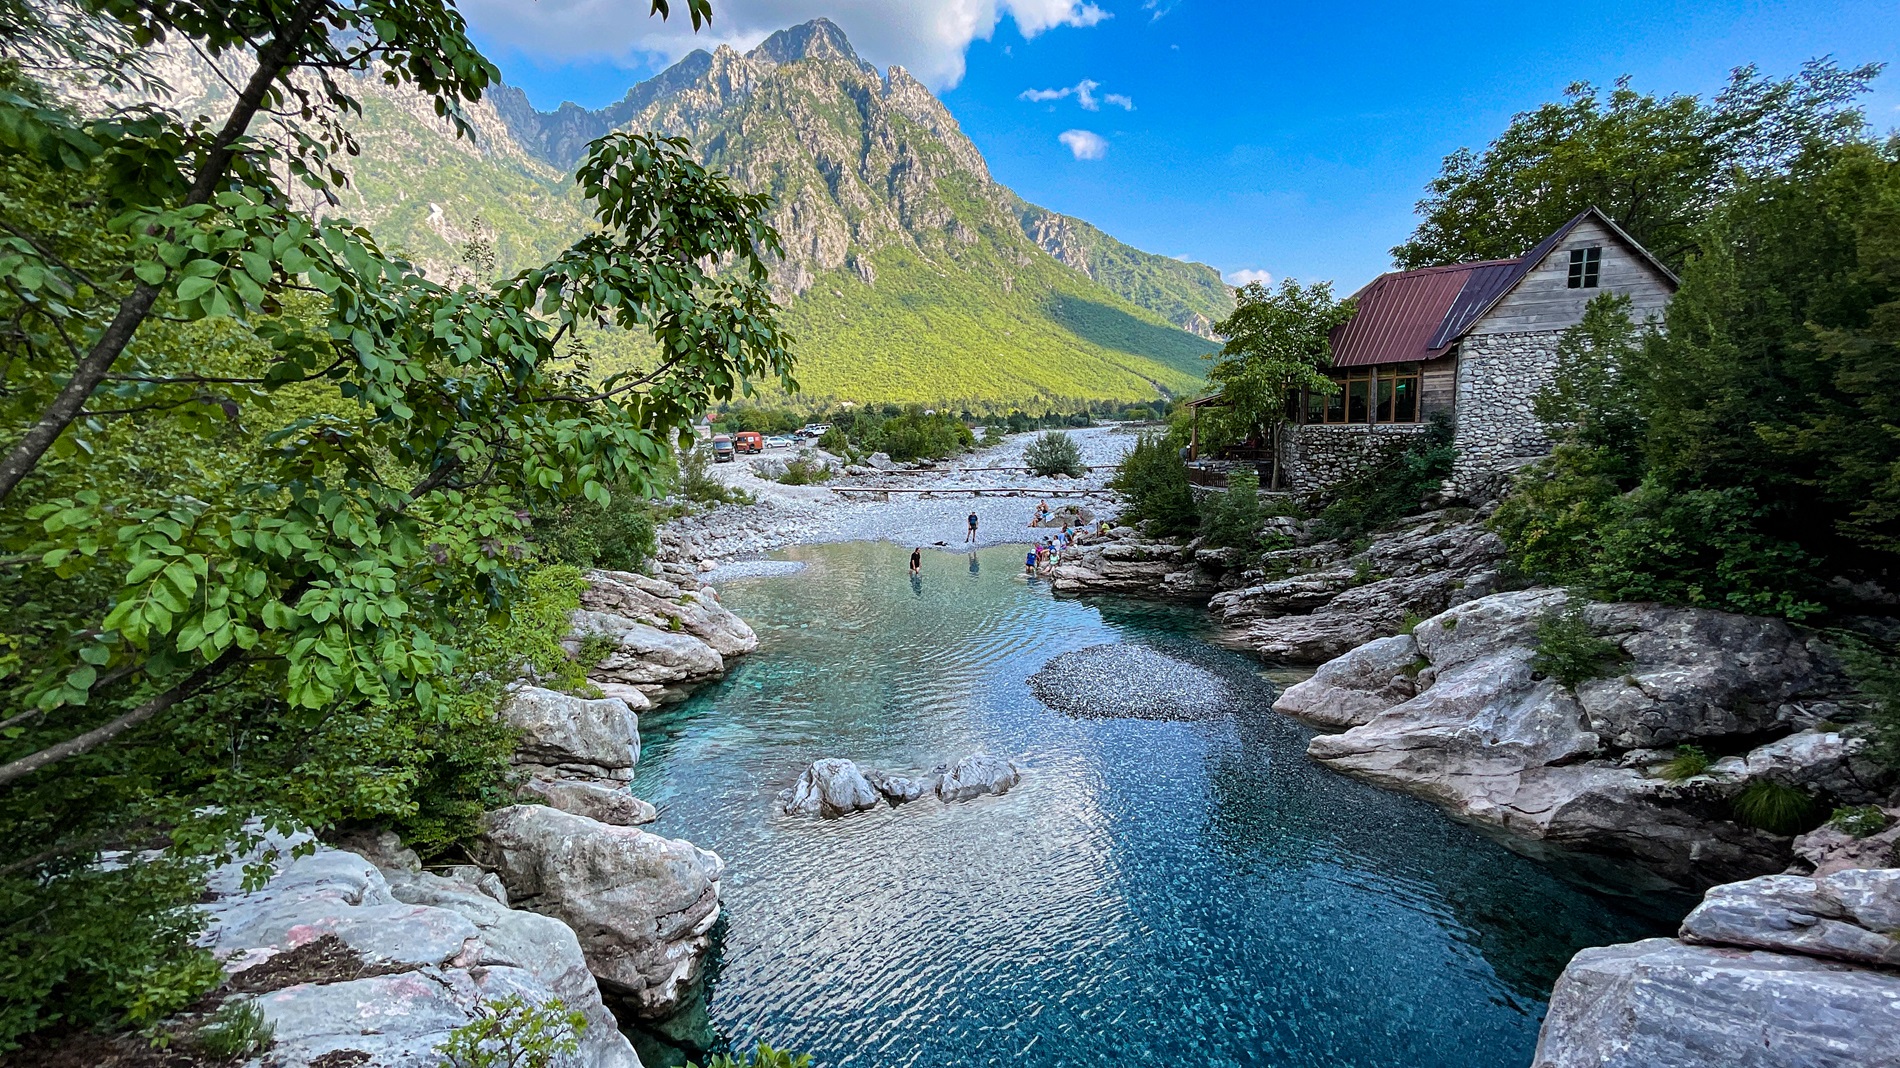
(1273, 479)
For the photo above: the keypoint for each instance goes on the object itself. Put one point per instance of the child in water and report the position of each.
(916, 560)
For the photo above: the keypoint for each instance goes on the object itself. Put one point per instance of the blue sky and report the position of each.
(1290, 139)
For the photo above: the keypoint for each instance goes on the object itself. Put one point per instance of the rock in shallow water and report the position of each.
(830, 787)
(976, 775)
(901, 789)
(836, 787)
(1121, 680)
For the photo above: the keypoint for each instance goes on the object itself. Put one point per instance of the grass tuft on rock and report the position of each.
(1859, 821)
(1689, 761)
(237, 1029)
(1774, 807)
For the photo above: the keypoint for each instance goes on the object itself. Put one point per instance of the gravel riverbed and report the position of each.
(795, 515)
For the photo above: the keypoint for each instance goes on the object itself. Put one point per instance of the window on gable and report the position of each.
(1584, 263)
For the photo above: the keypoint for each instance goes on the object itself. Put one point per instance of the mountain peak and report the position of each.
(818, 39)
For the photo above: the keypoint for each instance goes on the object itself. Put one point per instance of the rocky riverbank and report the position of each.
(1781, 970)
(1313, 599)
(1458, 712)
(357, 956)
(1690, 741)
(934, 515)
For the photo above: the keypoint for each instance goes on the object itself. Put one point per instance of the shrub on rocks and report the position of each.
(1154, 488)
(1054, 453)
(1232, 520)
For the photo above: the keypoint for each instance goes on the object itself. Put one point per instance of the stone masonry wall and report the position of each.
(1499, 377)
(1317, 455)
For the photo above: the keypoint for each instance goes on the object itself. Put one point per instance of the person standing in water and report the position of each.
(972, 536)
(916, 560)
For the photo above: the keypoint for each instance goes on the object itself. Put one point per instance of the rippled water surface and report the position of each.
(1155, 893)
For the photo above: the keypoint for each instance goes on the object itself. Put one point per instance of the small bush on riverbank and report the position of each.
(1054, 453)
(1568, 650)
(237, 1029)
(1231, 520)
(510, 1032)
(697, 484)
(1154, 489)
(1860, 821)
(762, 1057)
(803, 472)
(618, 536)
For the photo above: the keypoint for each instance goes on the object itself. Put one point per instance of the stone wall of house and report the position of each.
(1316, 455)
(1499, 377)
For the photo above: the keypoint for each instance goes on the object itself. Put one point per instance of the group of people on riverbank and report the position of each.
(1042, 558)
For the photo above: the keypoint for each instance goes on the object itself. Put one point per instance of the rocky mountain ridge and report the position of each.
(861, 162)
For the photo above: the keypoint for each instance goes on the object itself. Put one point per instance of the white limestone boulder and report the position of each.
(607, 802)
(641, 654)
(342, 962)
(1661, 1004)
(1848, 915)
(1350, 690)
(596, 737)
(642, 905)
(658, 602)
(976, 775)
(829, 787)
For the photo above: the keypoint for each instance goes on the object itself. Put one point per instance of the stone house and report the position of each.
(1476, 341)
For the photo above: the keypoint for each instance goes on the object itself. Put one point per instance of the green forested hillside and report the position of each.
(930, 336)
(1192, 296)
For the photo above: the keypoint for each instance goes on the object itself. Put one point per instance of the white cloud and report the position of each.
(1246, 275)
(1084, 94)
(927, 37)
(1160, 8)
(1084, 144)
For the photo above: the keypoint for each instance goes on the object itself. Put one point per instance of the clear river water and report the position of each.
(1154, 893)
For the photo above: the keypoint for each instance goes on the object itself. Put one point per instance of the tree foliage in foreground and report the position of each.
(1657, 166)
(1278, 343)
(268, 497)
(1747, 457)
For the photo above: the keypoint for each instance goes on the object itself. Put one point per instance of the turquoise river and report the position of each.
(1154, 893)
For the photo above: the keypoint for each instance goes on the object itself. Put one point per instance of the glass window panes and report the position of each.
(1405, 400)
(1585, 264)
(1386, 394)
(1356, 389)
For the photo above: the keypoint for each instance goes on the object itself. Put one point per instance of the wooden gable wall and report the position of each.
(1545, 301)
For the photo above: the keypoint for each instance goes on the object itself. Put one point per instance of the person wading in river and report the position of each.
(916, 560)
(972, 536)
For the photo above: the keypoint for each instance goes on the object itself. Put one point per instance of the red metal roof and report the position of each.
(1399, 314)
(1407, 316)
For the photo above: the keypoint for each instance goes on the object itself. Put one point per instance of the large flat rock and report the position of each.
(1662, 1004)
